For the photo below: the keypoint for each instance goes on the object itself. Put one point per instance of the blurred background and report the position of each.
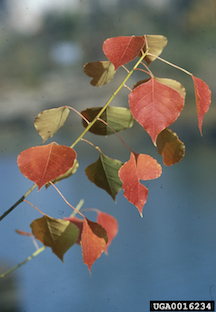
(169, 254)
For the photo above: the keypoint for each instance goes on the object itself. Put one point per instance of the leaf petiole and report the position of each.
(171, 64)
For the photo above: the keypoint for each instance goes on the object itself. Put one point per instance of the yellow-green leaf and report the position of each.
(155, 43)
(173, 84)
(118, 118)
(58, 234)
(48, 122)
(101, 72)
(104, 173)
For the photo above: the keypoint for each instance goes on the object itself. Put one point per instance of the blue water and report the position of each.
(169, 254)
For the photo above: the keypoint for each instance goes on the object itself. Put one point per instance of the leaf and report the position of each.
(42, 164)
(173, 84)
(104, 173)
(48, 122)
(168, 82)
(203, 99)
(79, 223)
(93, 241)
(121, 50)
(139, 167)
(66, 175)
(156, 43)
(118, 118)
(58, 234)
(102, 72)
(170, 147)
(155, 106)
(110, 224)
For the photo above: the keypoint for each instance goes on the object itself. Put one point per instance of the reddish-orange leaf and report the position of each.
(121, 50)
(203, 99)
(110, 224)
(170, 147)
(155, 106)
(44, 163)
(79, 224)
(139, 167)
(93, 241)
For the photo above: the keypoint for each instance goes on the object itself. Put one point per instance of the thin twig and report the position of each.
(37, 252)
(18, 202)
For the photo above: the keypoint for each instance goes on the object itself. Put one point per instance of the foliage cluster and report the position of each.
(155, 103)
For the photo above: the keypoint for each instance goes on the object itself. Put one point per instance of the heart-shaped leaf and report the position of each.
(118, 118)
(42, 164)
(203, 99)
(121, 50)
(155, 43)
(139, 167)
(50, 121)
(58, 234)
(102, 72)
(104, 173)
(93, 241)
(155, 106)
(170, 147)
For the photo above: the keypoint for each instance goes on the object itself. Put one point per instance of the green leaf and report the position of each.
(101, 72)
(58, 234)
(104, 173)
(48, 122)
(118, 118)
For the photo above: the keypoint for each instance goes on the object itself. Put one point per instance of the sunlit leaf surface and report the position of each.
(155, 106)
(139, 167)
(50, 121)
(121, 50)
(44, 163)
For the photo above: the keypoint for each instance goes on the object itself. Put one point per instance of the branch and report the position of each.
(18, 202)
(84, 132)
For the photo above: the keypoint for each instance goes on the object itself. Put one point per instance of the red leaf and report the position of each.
(79, 224)
(42, 164)
(139, 167)
(93, 242)
(155, 106)
(121, 50)
(110, 224)
(203, 99)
